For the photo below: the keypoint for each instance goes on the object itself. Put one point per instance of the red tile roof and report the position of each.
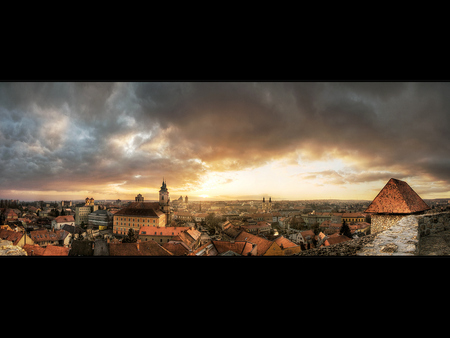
(50, 250)
(240, 247)
(34, 250)
(262, 244)
(10, 235)
(284, 242)
(161, 231)
(149, 248)
(62, 219)
(336, 239)
(53, 250)
(177, 249)
(397, 197)
(141, 209)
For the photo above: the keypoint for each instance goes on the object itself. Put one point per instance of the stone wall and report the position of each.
(347, 248)
(382, 222)
(433, 223)
(400, 239)
(403, 238)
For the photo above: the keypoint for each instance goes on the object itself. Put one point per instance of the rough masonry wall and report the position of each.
(382, 222)
(403, 238)
(433, 223)
(400, 239)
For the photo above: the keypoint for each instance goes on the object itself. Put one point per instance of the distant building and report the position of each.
(267, 206)
(395, 201)
(159, 234)
(140, 213)
(100, 219)
(82, 211)
(59, 222)
(66, 203)
(17, 238)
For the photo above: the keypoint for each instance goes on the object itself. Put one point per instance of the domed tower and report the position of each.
(164, 201)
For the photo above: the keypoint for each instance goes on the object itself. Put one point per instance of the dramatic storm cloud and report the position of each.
(117, 139)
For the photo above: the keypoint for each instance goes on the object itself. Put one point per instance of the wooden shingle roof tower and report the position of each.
(397, 197)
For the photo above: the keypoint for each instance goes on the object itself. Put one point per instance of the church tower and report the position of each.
(164, 201)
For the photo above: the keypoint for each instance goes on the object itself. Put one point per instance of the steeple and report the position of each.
(163, 186)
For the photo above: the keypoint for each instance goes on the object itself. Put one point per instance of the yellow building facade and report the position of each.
(350, 217)
(122, 223)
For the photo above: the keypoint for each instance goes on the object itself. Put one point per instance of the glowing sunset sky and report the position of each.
(230, 140)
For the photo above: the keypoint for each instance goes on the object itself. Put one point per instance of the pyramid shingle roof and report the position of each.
(397, 197)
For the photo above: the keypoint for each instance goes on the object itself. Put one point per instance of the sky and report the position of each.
(222, 140)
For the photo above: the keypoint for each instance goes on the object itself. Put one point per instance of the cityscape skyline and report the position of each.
(222, 141)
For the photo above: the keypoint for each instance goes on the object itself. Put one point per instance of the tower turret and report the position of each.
(164, 201)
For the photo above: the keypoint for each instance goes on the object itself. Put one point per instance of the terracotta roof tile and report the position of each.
(62, 219)
(161, 231)
(336, 239)
(284, 242)
(34, 250)
(149, 248)
(10, 235)
(141, 209)
(53, 250)
(262, 244)
(240, 247)
(397, 197)
(177, 249)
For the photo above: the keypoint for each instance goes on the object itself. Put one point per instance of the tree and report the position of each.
(130, 237)
(211, 220)
(345, 230)
(315, 228)
(63, 213)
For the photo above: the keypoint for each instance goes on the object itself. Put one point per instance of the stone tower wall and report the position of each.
(383, 222)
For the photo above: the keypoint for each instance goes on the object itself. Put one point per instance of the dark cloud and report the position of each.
(74, 135)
